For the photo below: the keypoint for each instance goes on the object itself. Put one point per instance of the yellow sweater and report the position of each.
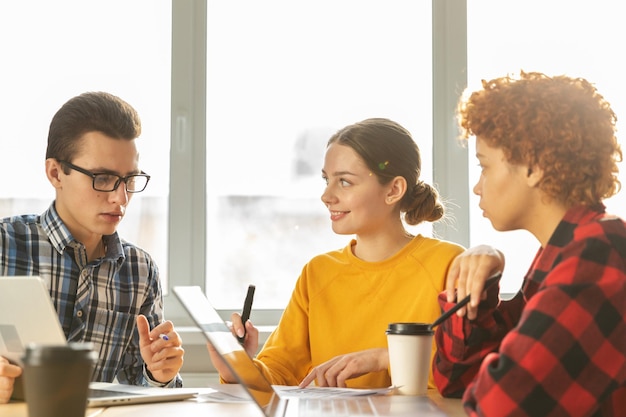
(342, 304)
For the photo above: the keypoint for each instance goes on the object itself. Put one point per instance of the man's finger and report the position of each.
(143, 328)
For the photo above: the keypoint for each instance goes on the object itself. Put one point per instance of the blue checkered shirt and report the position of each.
(96, 301)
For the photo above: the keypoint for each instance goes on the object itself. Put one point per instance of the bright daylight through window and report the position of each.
(282, 77)
(577, 38)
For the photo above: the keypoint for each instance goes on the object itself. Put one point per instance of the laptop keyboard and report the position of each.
(325, 392)
(336, 407)
(314, 392)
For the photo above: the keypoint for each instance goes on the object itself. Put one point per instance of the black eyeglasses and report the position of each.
(107, 182)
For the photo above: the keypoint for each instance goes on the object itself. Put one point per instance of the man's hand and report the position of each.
(8, 373)
(335, 372)
(161, 349)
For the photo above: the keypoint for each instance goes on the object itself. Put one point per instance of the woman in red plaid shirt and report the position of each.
(548, 154)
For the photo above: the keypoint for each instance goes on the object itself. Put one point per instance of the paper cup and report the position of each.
(410, 348)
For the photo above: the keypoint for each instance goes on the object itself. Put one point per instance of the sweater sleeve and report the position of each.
(286, 355)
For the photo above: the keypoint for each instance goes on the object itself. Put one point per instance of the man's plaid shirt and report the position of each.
(97, 302)
(558, 348)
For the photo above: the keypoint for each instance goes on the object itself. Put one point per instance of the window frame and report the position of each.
(187, 197)
(187, 205)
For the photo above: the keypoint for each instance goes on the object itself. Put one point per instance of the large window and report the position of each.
(282, 77)
(577, 38)
(54, 50)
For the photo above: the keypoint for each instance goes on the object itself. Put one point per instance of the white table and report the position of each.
(193, 408)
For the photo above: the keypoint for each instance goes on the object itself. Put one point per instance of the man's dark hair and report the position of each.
(90, 112)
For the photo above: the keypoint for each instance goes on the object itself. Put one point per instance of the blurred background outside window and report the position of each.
(282, 77)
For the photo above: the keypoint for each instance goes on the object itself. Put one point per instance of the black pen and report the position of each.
(492, 280)
(245, 314)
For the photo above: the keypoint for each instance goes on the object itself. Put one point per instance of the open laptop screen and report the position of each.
(27, 315)
(219, 335)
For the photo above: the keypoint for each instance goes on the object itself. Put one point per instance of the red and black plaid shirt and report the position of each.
(558, 348)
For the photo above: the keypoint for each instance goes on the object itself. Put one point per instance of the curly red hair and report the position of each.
(559, 124)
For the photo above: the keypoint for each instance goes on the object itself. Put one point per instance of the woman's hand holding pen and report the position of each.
(249, 334)
(468, 273)
(244, 331)
(161, 349)
(250, 344)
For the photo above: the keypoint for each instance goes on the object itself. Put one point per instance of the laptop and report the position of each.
(275, 402)
(27, 315)
(106, 394)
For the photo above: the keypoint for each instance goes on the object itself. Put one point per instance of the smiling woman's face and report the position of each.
(353, 195)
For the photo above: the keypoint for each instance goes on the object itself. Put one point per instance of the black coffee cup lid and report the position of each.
(37, 353)
(409, 329)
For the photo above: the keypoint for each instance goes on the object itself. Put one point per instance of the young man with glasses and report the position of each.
(106, 290)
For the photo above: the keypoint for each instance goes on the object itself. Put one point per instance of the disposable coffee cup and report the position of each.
(56, 379)
(410, 348)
